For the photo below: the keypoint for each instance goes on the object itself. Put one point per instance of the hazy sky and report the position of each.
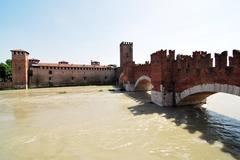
(81, 30)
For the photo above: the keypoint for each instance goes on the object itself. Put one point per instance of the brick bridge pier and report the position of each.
(180, 80)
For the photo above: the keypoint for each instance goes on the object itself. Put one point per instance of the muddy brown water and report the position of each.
(92, 123)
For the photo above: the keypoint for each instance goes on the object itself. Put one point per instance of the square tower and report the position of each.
(126, 53)
(20, 69)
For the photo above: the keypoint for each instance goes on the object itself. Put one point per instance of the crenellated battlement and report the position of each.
(163, 55)
(185, 68)
(198, 59)
(235, 59)
(221, 60)
(126, 43)
(19, 52)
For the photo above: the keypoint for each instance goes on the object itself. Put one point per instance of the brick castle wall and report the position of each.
(43, 76)
(29, 72)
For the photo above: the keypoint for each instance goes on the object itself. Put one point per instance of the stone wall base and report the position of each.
(162, 99)
(192, 96)
(5, 85)
(129, 87)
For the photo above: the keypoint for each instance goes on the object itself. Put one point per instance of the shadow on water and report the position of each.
(213, 126)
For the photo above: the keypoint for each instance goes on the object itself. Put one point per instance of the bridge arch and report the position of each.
(199, 93)
(143, 83)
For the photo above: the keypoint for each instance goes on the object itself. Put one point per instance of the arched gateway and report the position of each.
(181, 80)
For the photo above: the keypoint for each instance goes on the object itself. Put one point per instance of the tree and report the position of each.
(9, 62)
(6, 70)
(9, 69)
(3, 71)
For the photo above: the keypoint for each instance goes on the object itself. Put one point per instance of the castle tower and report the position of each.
(126, 53)
(20, 68)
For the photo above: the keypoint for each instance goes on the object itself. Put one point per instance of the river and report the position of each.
(94, 123)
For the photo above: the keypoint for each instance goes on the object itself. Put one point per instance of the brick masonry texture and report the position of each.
(170, 75)
(31, 73)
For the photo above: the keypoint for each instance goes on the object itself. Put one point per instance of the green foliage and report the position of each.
(6, 70)
(3, 71)
(9, 62)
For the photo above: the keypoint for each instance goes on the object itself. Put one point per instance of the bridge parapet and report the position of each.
(172, 76)
(221, 73)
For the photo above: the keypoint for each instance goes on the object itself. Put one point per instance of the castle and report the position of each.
(181, 79)
(31, 73)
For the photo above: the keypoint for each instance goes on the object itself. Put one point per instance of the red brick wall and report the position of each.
(162, 69)
(188, 71)
(43, 76)
(140, 70)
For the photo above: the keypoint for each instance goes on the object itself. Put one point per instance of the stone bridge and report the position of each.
(181, 79)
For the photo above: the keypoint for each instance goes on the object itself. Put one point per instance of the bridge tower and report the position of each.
(126, 53)
(126, 64)
(20, 69)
